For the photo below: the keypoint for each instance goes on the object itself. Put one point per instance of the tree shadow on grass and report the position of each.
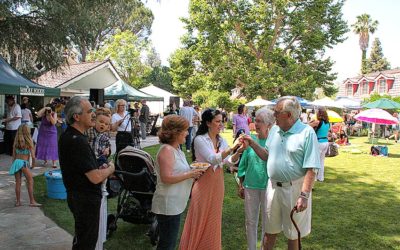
(128, 235)
(394, 155)
(351, 214)
(380, 142)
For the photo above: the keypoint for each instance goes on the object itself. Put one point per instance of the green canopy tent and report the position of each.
(14, 83)
(122, 90)
(383, 103)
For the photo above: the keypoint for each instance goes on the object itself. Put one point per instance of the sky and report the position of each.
(167, 30)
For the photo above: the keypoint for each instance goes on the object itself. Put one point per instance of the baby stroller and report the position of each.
(138, 183)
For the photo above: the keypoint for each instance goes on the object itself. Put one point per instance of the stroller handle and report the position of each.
(130, 174)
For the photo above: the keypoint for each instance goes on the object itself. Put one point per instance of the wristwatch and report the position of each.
(305, 195)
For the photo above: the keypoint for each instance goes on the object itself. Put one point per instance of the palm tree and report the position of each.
(363, 26)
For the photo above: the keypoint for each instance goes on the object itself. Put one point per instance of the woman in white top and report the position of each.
(202, 228)
(174, 180)
(121, 122)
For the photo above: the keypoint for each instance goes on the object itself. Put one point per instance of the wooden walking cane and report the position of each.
(295, 225)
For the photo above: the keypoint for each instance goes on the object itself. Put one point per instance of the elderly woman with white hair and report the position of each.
(253, 177)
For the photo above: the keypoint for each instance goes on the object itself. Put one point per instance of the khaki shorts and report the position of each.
(280, 202)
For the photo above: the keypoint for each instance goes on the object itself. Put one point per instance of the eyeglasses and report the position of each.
(91, 110)
(121, 105)
(276, 113)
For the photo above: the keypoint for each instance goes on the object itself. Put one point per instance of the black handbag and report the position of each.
(123, 139)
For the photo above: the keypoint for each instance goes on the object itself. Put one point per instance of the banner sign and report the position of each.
(31, 91)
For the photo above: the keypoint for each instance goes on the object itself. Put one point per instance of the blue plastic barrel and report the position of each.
(55, 185)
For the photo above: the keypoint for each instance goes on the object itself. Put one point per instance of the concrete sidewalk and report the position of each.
(27, 227)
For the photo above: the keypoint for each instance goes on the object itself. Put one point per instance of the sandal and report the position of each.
(35, 205)
(18, 204)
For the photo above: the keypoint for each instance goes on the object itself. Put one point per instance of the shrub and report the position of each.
(229, 125)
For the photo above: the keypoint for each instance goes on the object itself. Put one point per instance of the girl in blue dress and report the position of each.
(23, 149)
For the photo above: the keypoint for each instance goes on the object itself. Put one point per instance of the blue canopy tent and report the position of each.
(14, 83)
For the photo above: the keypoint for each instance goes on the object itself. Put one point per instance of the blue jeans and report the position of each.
(168, 226)
(189, 138)
(143, 129)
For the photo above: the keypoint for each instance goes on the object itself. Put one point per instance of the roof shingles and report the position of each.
(55, 78)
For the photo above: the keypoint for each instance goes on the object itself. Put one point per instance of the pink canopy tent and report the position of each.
(378, 116)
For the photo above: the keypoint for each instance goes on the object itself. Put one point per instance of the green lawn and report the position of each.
(357, 207)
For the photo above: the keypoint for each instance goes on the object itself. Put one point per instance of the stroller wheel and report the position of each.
(111, 225)
(154, 233)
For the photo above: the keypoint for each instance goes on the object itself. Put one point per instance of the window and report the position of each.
(364, 87)
(349, 89)
(382, 86)
(372, 87)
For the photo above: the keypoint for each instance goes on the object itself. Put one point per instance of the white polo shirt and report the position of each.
(14, 111)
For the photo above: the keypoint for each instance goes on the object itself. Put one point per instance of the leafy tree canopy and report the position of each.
(153, 58)
(214, 99)
(269, 48)
(376, 61)
(124, 49)
(160, 77)
(374, 97)
(36, 32)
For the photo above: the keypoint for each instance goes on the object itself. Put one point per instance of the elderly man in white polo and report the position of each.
(292, 156)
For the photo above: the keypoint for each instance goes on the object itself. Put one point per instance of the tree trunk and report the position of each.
(364, 54)
(83, 53)
(363, 61)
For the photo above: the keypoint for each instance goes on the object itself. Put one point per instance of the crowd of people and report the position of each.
(77, 135)
(276, 166)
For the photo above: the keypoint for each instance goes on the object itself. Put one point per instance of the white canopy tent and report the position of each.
(259, 102)
(348, 103)
(158, 106)
(326, 102)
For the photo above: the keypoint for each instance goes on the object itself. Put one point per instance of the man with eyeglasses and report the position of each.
(292, 156)
(81, 176)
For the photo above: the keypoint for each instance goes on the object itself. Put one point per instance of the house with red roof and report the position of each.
(385, 82)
